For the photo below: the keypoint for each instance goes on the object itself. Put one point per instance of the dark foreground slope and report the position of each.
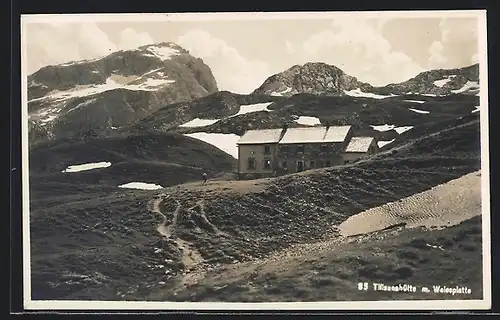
(332, 271)
(108, 246)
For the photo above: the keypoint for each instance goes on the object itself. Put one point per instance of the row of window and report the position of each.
(252, 164)
(298, 148)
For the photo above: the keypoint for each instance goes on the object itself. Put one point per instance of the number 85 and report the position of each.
(363, 286)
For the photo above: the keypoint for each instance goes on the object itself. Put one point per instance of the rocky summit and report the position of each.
(319, 78)
(312, 77)
(106, 93)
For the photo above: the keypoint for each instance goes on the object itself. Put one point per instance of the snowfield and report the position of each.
(400, 130)
(419, 111)
(249, 108)
(141, 186)
(87, 166)
(382, 143)
(244, 109)
(307, 121)
(442, 206)
(388, 127)
(415, 101)
(469, 86)
(164, 53)
(226, 142)
(281, 93)
(440, 83)
(384, 127)
(359, 93)
(110, 84)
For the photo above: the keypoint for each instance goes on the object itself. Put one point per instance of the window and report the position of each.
(267, 163)
(312, 164)
(284, 148)
(300, 148)
(328, 164)
(323, 148)
(300, 166)
(251, 163)
(267, 149)
(285, 164)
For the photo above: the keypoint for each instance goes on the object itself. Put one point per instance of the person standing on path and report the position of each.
(205, 178)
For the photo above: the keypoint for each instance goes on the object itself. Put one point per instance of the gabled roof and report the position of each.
(359, 144)
(261, 136)
(303, 135)
(337, 133)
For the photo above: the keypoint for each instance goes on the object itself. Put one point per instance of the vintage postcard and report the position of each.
(319, 160)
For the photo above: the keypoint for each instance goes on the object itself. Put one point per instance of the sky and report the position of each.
(243, 53)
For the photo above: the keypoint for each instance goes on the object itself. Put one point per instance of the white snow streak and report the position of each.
(140, 185)
(87, 166)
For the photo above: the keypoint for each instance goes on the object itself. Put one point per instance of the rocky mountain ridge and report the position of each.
(118, 89)
(319, 78)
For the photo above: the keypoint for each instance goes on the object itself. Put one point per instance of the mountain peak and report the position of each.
(311, 77)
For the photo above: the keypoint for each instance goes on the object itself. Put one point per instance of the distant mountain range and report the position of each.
(160, 87)
(322, 79)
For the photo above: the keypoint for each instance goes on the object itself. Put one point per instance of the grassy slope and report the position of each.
(333, 270)
(113, 238)
(166, 159)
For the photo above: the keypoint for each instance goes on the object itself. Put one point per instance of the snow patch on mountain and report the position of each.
(388, 127)
(244, 109)
(400, 130)
(163, 53)
(382, 143)
(359, 93)
(440, 83)
(281, 93)
(226, 142)
(249, 108)
(87, 166)
(140, 186)
(415, 101)
(149, 84)
(307, 121)
(468, 86)
(419, 111)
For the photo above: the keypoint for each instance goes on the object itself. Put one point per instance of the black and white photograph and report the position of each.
(260, 160)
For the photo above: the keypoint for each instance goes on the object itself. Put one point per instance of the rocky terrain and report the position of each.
(115, 90)
(319, 78)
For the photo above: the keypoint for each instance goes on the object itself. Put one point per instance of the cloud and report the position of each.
(458, 44)
(232, 71)
(474, 59)
(289, 48)
(55, 43)
(131, 39)
(359, 49)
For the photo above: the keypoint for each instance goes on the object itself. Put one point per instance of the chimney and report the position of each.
(283, 131)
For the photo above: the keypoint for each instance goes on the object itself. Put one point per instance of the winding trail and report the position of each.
(190, 257)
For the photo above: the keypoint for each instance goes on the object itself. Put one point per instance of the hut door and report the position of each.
(300, 166)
